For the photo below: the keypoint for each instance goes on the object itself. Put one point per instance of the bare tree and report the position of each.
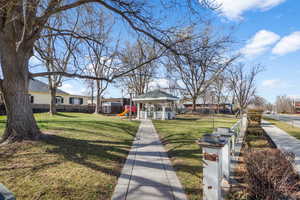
(203, 58)
(284, 104)
(221, 91)
(258, 102)
(101, 57)
(21, 25)
(57, 53)
(269, 107)
(242, 84)
(137, 81)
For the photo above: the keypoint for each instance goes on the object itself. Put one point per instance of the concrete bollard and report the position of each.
(212, 146)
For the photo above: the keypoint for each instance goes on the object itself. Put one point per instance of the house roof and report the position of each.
(155, 95)
(39, 86)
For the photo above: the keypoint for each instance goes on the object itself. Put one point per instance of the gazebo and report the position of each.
(155, 104)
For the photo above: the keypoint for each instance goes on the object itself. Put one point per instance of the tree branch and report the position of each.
(71, 75)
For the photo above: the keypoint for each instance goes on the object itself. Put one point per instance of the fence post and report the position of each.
(225, 132)
(212, 169)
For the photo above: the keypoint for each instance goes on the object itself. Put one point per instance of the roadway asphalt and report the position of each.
(290, 119)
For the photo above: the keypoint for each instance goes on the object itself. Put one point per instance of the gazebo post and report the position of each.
(154, 112)
(163, 116)
(146, 110)
(138, 111)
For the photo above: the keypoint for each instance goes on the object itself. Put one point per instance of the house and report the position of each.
(207, 105)
(40, 98)
(296, 102)
(113, 105)
(39, 94)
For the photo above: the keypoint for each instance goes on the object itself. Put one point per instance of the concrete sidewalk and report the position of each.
(283, 141)
(148, 173)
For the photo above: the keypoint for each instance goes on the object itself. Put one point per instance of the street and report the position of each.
(290, 119)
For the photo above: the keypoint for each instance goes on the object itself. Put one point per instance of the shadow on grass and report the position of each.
(187, 119)
(184, 146)
(88, 152)
(92, 124)
(82, 151)
(65, 115)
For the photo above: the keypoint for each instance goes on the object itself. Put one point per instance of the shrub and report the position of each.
(254, 117)
(270, 175)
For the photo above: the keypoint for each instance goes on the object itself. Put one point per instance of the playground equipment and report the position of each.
(123, 113)
(127, 110)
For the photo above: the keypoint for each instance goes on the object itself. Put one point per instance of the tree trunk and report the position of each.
(194, 104)
(97, 108)
(21, 124)
(52, 110)
(92, 96)
(218, 108)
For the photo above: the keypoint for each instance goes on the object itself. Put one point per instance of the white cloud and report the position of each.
(161, 84)
(75, 88)
(288, 44)
(234, 9)
(273, 83)
(66, 86)
(260, 42)
(278, 84)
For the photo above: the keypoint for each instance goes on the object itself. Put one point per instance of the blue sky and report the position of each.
(268, 32)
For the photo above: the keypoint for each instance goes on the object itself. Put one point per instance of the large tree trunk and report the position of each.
(21, 124)
(52, 110)
(194, 104)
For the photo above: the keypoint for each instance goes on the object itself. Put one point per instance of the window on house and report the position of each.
(31, 99)
(59, 100)
(76, 100)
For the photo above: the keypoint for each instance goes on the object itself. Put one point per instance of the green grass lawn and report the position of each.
(179, 138)
(81, 158)
(294, 131)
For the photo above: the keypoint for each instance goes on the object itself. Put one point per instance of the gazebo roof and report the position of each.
(155, 95)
